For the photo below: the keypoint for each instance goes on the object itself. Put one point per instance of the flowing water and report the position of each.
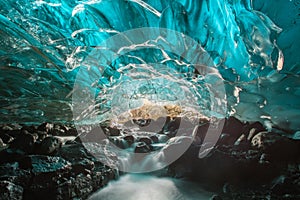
(151, 188)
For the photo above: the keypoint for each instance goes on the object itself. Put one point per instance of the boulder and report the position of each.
(6, 138)
(142, 147)
(10, 191)
(145, 139)
(49, 146)
(24, 142)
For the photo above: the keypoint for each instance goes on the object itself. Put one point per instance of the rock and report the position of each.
(10, 191)
(234, 127)
(6, 138)
(163, 138)
(70, 142)
(82, 165)
(142, 147)
(39, 164)
(11, 172)
(242, 143)
(279, 148)
(119, 142)
(129, 139)
(113, 131)
(24, 142)
(171, 126)
(6, 128)
(142, 122)
(154, 138)
(2, 144)
(73, 152)
(45, 127)
(81, 186)
(41, 135)
(11, 155)
(29, 129)
(49, 146)
(285, 185)
(57, 130)
(145, 139)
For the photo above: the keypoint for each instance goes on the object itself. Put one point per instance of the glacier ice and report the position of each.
(254, 46)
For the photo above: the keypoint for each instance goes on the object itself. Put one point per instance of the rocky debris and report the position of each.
(57, 129)
(39, 164)
(2, 144)
(145, 139)
(111, 131)
(130, 139)
(48, 146)
(278, 148)
(246, 162)
(154, 138)
(24, 142)
(7, 139)
(10, 191)
(162, 138)
(142, 147)
(35, 164)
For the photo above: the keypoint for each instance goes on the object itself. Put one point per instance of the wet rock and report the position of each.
(6, 138)
(82, 186)
(172, 125)
(146, 140)
(39, 164)
(163, 138)
(82, 165)
(142, 147)
(41, 135)
(129, 139)
(242, 143)
(73, 151)
(48, 177)
(285, 185)
(70, 142)
(113, 131)
(57, 130)
(10, 191)
(234, 128)
(2, 144)
(11, 172)
(142, 122)
(278, 147)
(11, 155)
(45, 127)
(154, 138)
(119, 142)
(24, 142)
(6, 128)
(49, 146)
(29, 129)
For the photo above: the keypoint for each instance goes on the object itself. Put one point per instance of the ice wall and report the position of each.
(254, 45)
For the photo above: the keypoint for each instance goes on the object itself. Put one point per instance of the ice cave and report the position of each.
(150, 99)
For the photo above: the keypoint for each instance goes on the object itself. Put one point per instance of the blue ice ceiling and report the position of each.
(254, 45)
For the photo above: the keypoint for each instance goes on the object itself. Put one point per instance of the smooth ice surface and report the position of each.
(254, 46)
(132, 187)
